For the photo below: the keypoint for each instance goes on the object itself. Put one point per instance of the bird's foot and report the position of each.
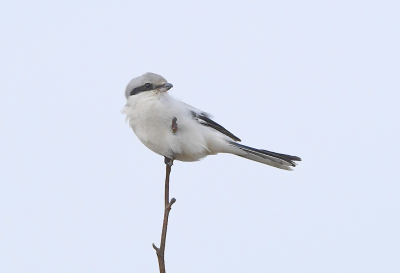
(168, 161)
(174, 126)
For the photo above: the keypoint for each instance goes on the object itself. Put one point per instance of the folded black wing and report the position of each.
(206, 121)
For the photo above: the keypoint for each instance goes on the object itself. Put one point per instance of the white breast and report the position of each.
(150, 115)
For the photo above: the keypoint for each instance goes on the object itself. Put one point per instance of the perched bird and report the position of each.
(179, 131)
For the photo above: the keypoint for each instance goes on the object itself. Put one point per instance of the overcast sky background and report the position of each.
(320, 80)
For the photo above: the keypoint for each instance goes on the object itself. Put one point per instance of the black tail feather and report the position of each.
(287, 158)
(282, 156)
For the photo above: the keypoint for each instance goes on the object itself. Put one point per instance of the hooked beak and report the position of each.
(165, 87)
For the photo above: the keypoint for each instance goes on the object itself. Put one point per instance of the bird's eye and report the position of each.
(147, 85)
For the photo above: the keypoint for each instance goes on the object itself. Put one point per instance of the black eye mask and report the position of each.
(143, 88)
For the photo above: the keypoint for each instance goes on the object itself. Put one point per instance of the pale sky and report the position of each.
(315, 79)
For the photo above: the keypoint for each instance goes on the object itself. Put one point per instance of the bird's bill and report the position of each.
(165, 87)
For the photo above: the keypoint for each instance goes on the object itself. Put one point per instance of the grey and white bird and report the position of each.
(179, 131)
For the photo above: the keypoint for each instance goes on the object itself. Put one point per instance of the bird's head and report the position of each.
(147, 82)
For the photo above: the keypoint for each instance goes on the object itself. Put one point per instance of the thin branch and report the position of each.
(160, 251)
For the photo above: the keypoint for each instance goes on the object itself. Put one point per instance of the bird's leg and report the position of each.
(174, 126)
(168, 161)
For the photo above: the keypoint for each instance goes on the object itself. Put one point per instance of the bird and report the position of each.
(178, 131)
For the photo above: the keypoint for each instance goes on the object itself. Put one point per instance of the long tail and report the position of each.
(280, 161)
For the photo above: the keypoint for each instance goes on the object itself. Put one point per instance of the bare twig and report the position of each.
(168, 203)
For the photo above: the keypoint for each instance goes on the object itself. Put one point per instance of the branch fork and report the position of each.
(167, 210)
